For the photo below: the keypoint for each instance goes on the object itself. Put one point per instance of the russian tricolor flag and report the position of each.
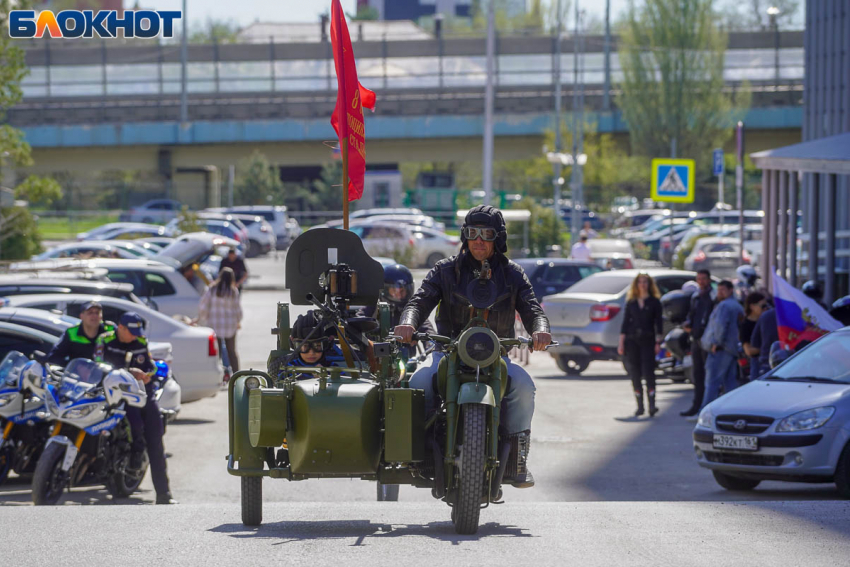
(799, 317)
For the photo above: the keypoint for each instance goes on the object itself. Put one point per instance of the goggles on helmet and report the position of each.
(487, 234)
(316, 346)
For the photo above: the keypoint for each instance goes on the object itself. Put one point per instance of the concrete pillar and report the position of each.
(814, 225)
(793, 199)
(783, 224)
(765, 205)
(770, 237)
(829, 268)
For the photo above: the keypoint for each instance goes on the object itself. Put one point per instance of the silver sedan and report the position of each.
(793, 424)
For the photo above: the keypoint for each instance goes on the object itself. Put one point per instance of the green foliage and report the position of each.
(672, 58)
(533, 22)
(19, 235)
(215, 31)
(257, 182)
(364, 14)
(752, 14)
(39, 191)
(545, 229)
(188, 221)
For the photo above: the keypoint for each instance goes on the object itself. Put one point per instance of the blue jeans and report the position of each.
(517, 407)
(721, 369)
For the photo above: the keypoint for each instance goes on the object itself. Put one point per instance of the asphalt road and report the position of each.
(611, 490)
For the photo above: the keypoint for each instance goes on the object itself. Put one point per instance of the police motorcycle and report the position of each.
(90, 444)
(362, 421)
(23, 420)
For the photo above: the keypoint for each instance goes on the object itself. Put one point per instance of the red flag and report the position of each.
(347, 118)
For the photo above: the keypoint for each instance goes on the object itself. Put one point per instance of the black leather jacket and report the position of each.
(446, 285)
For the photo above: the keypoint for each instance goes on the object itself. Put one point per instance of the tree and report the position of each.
(752, 14)
(365, 14)
(215, 31)
(19, 237)
(257, 181)
(672, 60)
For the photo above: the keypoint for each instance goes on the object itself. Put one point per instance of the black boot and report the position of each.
(650, 394)
(639, 397)
(518, 474)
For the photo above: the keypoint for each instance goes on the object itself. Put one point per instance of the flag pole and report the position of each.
(345, 183)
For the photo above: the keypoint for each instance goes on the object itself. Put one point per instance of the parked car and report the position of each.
(156, 210)
(24, 339)
(161, 241)
(151, 279)
(366, 213)
(613, 253)
(261, 236)
(196, 365)
(586, 318)
(792, 424)
(132, 231)
(10, 285)
(199, 248)
(549, 276)
(85, 250)
(424, 247)
(399, 218)
(286, 229)
(720, 255)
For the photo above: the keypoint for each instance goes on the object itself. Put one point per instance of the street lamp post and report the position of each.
(773, 12)
(557, 180)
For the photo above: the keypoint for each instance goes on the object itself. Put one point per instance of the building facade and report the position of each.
(814, 176)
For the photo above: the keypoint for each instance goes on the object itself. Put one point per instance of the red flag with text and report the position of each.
(347, 118)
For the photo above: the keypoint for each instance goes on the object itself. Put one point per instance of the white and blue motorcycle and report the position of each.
(23, 420)
(93, 443)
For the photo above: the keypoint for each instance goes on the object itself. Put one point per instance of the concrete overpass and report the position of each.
(91, 108)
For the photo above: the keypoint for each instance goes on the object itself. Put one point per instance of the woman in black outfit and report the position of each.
(640, 338)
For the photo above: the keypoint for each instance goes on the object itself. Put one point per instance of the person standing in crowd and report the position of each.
(721, 341)
(701, 307)
(640, 338)
(221, 309)
(754, 305)
(588, 231)
(580, 250)
(236, 264)
(765, 333)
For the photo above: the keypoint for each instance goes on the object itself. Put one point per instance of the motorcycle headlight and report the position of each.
(252, 383)
(6, 399)
(706, 418)
(78, 412)
(806, 420)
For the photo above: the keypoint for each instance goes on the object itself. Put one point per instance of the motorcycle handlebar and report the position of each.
(519, 341)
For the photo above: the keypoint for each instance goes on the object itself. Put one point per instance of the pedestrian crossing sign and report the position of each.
(673, 180)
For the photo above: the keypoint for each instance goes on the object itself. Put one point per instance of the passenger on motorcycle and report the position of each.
(319, 350)
(127, 347)
(80, 340)
(484, 237)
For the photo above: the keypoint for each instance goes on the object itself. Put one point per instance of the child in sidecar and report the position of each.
(319, 350)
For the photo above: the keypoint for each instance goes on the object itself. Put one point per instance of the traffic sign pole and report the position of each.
(719, 170)
(739, 184)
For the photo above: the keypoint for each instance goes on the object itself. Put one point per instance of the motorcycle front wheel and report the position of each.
(125, 482)
(49, 479)
(7, 458)
(467, 505)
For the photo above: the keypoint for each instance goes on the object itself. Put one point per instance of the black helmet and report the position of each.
(841, 310)
(778, 354)
(398, 285)
(812, 289)
(487, 216)
(302, 328)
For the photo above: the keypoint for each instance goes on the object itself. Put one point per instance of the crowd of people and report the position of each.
(731, 338)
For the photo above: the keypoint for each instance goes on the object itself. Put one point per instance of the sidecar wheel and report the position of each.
(467, 507)
(49, 479)
(252, 500)
(387, 492)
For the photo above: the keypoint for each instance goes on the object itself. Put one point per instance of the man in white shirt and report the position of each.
(580, 250)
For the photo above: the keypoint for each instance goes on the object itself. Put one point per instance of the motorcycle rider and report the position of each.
(80, 340)
(483, 237)
(127, 347)
(813, 290)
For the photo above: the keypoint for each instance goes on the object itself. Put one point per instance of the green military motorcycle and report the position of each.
(363, 420)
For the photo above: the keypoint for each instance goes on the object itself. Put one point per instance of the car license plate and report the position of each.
(740, 442)
(565, 339)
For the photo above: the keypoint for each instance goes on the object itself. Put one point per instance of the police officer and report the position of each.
(79, 341)
(484, 237)
(127, 347)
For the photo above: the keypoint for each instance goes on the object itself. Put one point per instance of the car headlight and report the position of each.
(705, 418)
(806, 420)
(79, 412)
(6, 399)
